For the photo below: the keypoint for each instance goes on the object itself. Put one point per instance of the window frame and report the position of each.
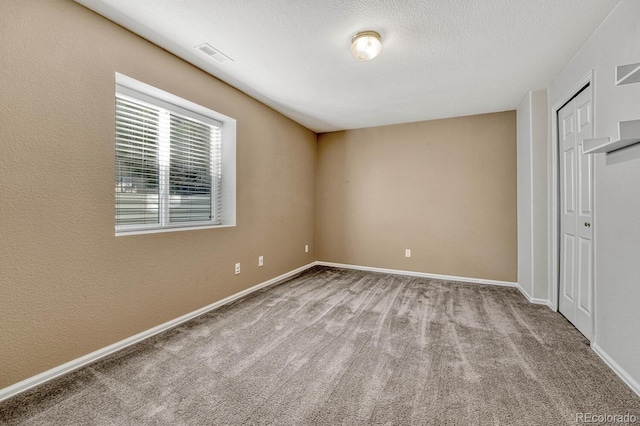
(142, 93)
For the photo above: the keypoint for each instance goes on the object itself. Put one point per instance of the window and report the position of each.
(175, 162)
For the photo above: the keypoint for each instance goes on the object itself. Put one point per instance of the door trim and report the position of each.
(554, 198)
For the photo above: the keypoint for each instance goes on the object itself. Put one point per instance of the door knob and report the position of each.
(587, 224)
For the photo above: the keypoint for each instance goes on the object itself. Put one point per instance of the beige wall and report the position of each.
(68, 286)
(446, 189)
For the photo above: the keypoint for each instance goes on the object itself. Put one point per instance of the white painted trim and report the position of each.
(621, 372)
(441, 277)
(158, 230)
(528, 99)
(544, 302)
(70, 366)
(532, 299)
(419, 274)
(594, 215)
(139, 91)
(524, 292)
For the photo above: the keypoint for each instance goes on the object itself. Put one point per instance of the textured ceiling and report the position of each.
(440, 58)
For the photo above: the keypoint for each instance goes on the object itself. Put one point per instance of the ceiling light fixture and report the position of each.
(366, 45)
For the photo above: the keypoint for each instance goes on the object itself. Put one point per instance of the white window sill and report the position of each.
(139, 231)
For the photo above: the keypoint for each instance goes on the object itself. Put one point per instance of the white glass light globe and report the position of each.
(366, 45)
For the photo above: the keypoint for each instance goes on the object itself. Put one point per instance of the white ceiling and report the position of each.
(440, 58)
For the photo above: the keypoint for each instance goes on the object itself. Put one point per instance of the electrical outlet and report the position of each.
(237, 268)
(407, 253)
(261, 261)
(306, 248)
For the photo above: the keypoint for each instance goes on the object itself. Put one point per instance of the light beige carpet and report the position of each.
(333, 347)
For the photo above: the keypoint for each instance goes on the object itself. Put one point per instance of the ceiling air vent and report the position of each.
(213, 53)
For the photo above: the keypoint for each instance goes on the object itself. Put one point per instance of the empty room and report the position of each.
(221, 212)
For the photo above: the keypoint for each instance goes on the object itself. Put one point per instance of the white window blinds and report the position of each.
(194, 171)
(168, 166)
(137, 164)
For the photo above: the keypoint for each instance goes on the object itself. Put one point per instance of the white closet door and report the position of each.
(575, 123)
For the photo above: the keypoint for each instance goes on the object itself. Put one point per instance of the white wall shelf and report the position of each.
(629, 135)
(627, 74)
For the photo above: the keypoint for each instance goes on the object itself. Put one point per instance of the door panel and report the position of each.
(586, 187)
(576, 213)
(585, 279)
(567, 123)
(584, 115)
(569, 261)
(569, 181)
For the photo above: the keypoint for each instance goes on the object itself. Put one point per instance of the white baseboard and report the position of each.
(419, 274)
(524, 293)
(534, 300)
(441, 277)
(621, 372)
(544, 302)
(101, 353)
